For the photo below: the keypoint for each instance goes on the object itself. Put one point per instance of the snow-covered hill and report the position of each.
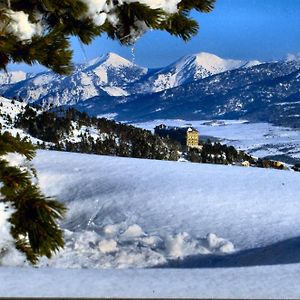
(9, 110)
(137, 213)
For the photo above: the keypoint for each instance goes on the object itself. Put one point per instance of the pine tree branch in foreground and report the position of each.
(34, 221)
(38, 31)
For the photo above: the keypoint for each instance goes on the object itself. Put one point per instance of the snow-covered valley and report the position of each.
(257, 139)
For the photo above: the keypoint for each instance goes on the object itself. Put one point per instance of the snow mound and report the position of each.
(127, 246)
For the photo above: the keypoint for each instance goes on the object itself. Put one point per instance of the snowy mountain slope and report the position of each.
(9, 110)
(13, 77)
(106, 75)
(190, 68)
(137, 213)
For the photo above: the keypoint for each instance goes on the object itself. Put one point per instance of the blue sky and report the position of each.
(240, 29)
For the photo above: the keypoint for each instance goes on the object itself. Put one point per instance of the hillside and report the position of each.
(70, 130)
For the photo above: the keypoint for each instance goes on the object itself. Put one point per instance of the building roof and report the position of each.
(190, 129)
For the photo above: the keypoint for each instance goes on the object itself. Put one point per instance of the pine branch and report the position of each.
(63, 19)
(35, 220)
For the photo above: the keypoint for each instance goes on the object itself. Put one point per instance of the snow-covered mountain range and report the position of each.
(195, 87)
(112, 75)
(268, 92)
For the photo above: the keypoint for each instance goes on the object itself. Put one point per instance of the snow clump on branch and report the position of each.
(20, 26)
(100, 11)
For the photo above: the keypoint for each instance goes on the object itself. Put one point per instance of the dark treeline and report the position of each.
(56, 128)
(217, 153)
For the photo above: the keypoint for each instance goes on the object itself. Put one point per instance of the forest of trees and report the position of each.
(57, 127)
(216, 153)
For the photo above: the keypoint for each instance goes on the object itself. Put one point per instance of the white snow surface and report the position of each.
(272, 282)
(125, 212)
(145, 212)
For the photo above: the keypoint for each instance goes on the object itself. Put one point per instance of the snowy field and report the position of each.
(237, 229)
(272, 282)
(258, 139)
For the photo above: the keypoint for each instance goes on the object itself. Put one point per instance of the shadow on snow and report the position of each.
(284, 252)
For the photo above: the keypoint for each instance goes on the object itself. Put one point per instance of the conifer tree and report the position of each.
(38, 31)
(34, 219)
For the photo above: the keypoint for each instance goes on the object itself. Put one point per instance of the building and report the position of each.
(245, 163)
(192, 138)
(186, 136)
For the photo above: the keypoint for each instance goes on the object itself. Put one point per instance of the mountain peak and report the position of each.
(206, 56)
(109, 59)
(215, 64)
(116, 60)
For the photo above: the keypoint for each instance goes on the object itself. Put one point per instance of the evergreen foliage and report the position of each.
(34, 222)
(51, 24)
(216, 153)
(57, 127)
